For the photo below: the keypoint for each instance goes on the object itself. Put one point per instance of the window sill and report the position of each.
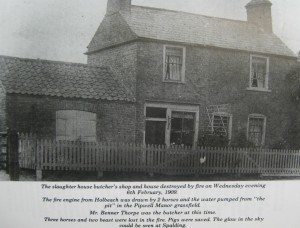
(175, 82)
(258, 90)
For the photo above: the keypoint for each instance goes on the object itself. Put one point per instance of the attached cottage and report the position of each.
(66, 101)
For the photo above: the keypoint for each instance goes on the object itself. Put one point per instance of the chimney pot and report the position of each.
(114, 6)
(259, 12)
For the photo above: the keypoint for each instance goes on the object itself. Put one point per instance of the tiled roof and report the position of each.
(168, 25)
(60, 79)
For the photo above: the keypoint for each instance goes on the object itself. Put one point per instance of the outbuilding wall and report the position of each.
(37, 114)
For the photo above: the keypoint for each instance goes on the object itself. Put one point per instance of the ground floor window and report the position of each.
(182, 128)
(171, 124)
(256, 129)
(75, 125)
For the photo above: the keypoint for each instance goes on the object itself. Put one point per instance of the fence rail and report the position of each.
(44, 154)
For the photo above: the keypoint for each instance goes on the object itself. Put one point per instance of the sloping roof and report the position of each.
(175, 26)
(60, 79)
(113, 30)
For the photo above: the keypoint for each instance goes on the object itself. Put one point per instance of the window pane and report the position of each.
(156, 112)
(176, 123)
(182, 128)
(155, 132)
(173, 63)
(258, 72)
(188, 138)
(255, 133)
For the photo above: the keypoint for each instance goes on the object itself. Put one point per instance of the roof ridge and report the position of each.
(52, 62)
(195, 14)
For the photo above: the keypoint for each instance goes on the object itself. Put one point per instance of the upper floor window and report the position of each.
(259, 74)
(73, 125)
(256, 129)
(174, 63)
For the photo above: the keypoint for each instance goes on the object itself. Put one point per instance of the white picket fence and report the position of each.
(46, 154)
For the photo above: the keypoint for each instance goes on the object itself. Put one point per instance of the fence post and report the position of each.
(38, 152)
(7, 153)
(13, 155)
(99, 161)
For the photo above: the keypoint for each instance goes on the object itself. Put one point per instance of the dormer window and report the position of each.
(174, 64)
(259, 73)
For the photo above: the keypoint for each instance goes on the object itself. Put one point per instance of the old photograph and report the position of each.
(146, 90)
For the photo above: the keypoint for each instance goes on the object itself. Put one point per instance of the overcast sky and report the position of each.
(62, 29)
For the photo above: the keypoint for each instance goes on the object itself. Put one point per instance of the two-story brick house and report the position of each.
(173, 77)
(190, 73)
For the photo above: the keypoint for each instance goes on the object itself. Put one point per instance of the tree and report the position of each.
(293, 83)
(291, 138)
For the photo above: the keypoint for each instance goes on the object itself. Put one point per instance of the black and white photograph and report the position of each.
(158, 94)
(148, 113)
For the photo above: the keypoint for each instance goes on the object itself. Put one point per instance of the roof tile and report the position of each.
(175, 26)
(51, 78)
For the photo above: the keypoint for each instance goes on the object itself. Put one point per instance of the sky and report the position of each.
(62, 29)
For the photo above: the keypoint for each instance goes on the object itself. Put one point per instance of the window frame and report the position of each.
(172, 108)
(258, 116)
(266, 88)
(182, 80)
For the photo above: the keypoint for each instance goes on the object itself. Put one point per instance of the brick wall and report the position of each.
(123, 62)
(150, 85)
(213, 76)
(108, 33)
(216, 76)
(38, 115)
(228, 83)
(2, 109)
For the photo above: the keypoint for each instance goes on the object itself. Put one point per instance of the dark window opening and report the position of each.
(182, 128)
(156, 112)
(155, 132)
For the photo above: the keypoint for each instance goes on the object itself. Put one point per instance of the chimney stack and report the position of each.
(259, 12)
(114, 6)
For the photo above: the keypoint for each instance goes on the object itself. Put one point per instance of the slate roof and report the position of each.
(60, 79)
(175, 26)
